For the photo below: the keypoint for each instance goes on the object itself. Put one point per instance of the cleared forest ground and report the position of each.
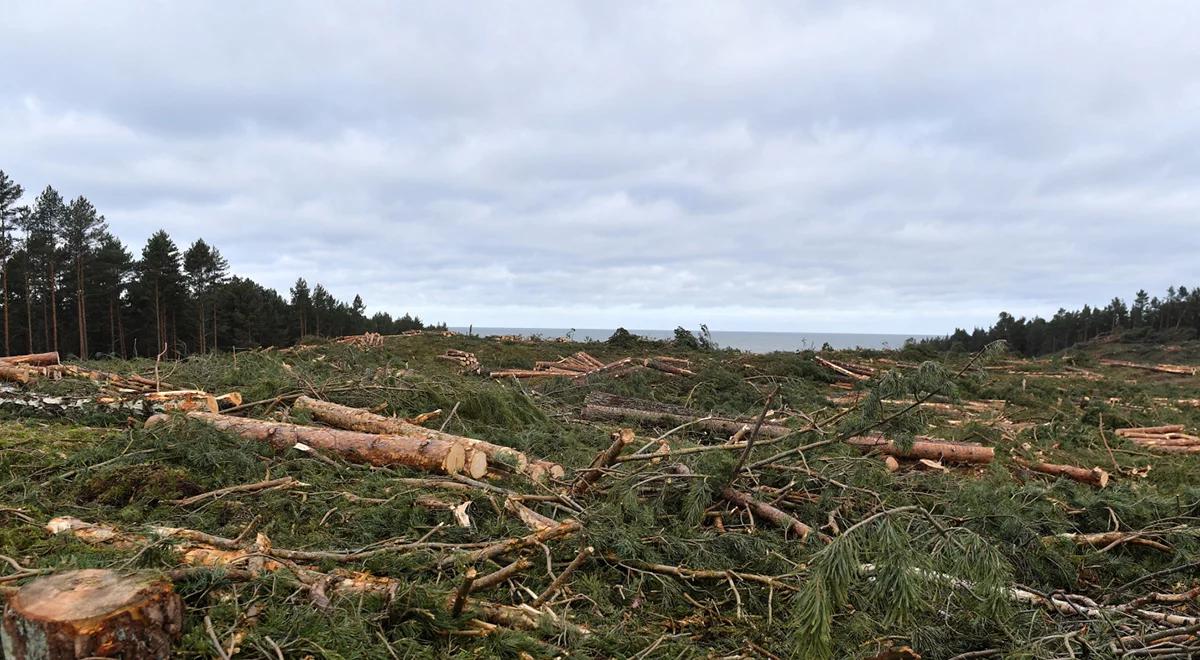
(799, 540)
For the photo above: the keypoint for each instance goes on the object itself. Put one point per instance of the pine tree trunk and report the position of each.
(121, 330)
(158, 329)
(7, 346)
(215, 347)
(112, 328)
(53, 307)
(28, 316)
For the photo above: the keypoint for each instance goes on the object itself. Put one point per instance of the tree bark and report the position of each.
(427, 454)
(928, 448)
(33, 359)
(92, 613)
(1094, 476)
(354, 419)
(767, 512)
(600, 406)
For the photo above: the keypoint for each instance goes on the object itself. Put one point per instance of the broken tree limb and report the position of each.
(1094, 476)
(767, 512)
(604, 459)
(92, 613)
(355, 419)
(561, 581)
(270, 484)
(928, 448)
(499, 576)
(511, 545)
(599, 406)
(427, 454)
(1107, 540)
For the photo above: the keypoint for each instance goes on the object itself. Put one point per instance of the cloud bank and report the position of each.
(862, 167)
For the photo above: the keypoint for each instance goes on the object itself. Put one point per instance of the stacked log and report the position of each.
(467, 361)
(1167, 439)
(1177, 369)
(365, 340)
(582, 366)
(421, 452)
(600, 406)
(363, 421)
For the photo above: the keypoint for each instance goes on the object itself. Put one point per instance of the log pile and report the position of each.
(582, 366)
(1167, 439)
(363, 421)
(365, 340)
(1176, 369)
(600, 406)
(466, 361)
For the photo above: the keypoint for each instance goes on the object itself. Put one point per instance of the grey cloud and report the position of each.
(858, 166)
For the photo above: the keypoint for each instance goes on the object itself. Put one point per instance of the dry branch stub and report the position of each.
(92, 613)
(427, 454)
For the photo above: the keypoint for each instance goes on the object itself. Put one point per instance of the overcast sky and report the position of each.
(887, 167)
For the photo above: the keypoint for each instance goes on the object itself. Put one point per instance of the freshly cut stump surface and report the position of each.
(92, 613)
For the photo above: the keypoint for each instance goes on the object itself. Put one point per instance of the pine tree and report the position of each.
(159, 287)
(205, 269)
(302, 301)
(42, 226)
(81, 232)
(114, 264)
(10, 192)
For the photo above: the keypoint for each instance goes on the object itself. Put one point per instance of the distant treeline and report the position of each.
(68, 284)
(1175, 316)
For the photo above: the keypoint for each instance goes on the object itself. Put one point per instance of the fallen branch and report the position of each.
(270, 484)
(1094, 476)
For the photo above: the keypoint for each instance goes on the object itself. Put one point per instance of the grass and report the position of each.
(100, 467)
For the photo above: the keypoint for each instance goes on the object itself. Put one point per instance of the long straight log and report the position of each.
(839, 369)
(33, 359)
(355, 419)
(1094, 476)
(1177, 369)
(927, 448)
(1154, 430)
(600, 406)
(427, 454)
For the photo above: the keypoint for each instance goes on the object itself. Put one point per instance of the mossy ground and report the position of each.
(103, 468)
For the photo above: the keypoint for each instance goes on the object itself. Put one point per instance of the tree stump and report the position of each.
(92, 613)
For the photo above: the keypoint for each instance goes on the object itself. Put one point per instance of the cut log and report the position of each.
(929, 448)
(355, 419)
(604, 459)
(767, 512)
(599, 406)
(532, 373)
(427, 454)
(33, 359)
(15, 373)
(92, 613)
(1151, 430)
(1094, 476)
(840, 369)
(1176, 369)
(666, 367)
